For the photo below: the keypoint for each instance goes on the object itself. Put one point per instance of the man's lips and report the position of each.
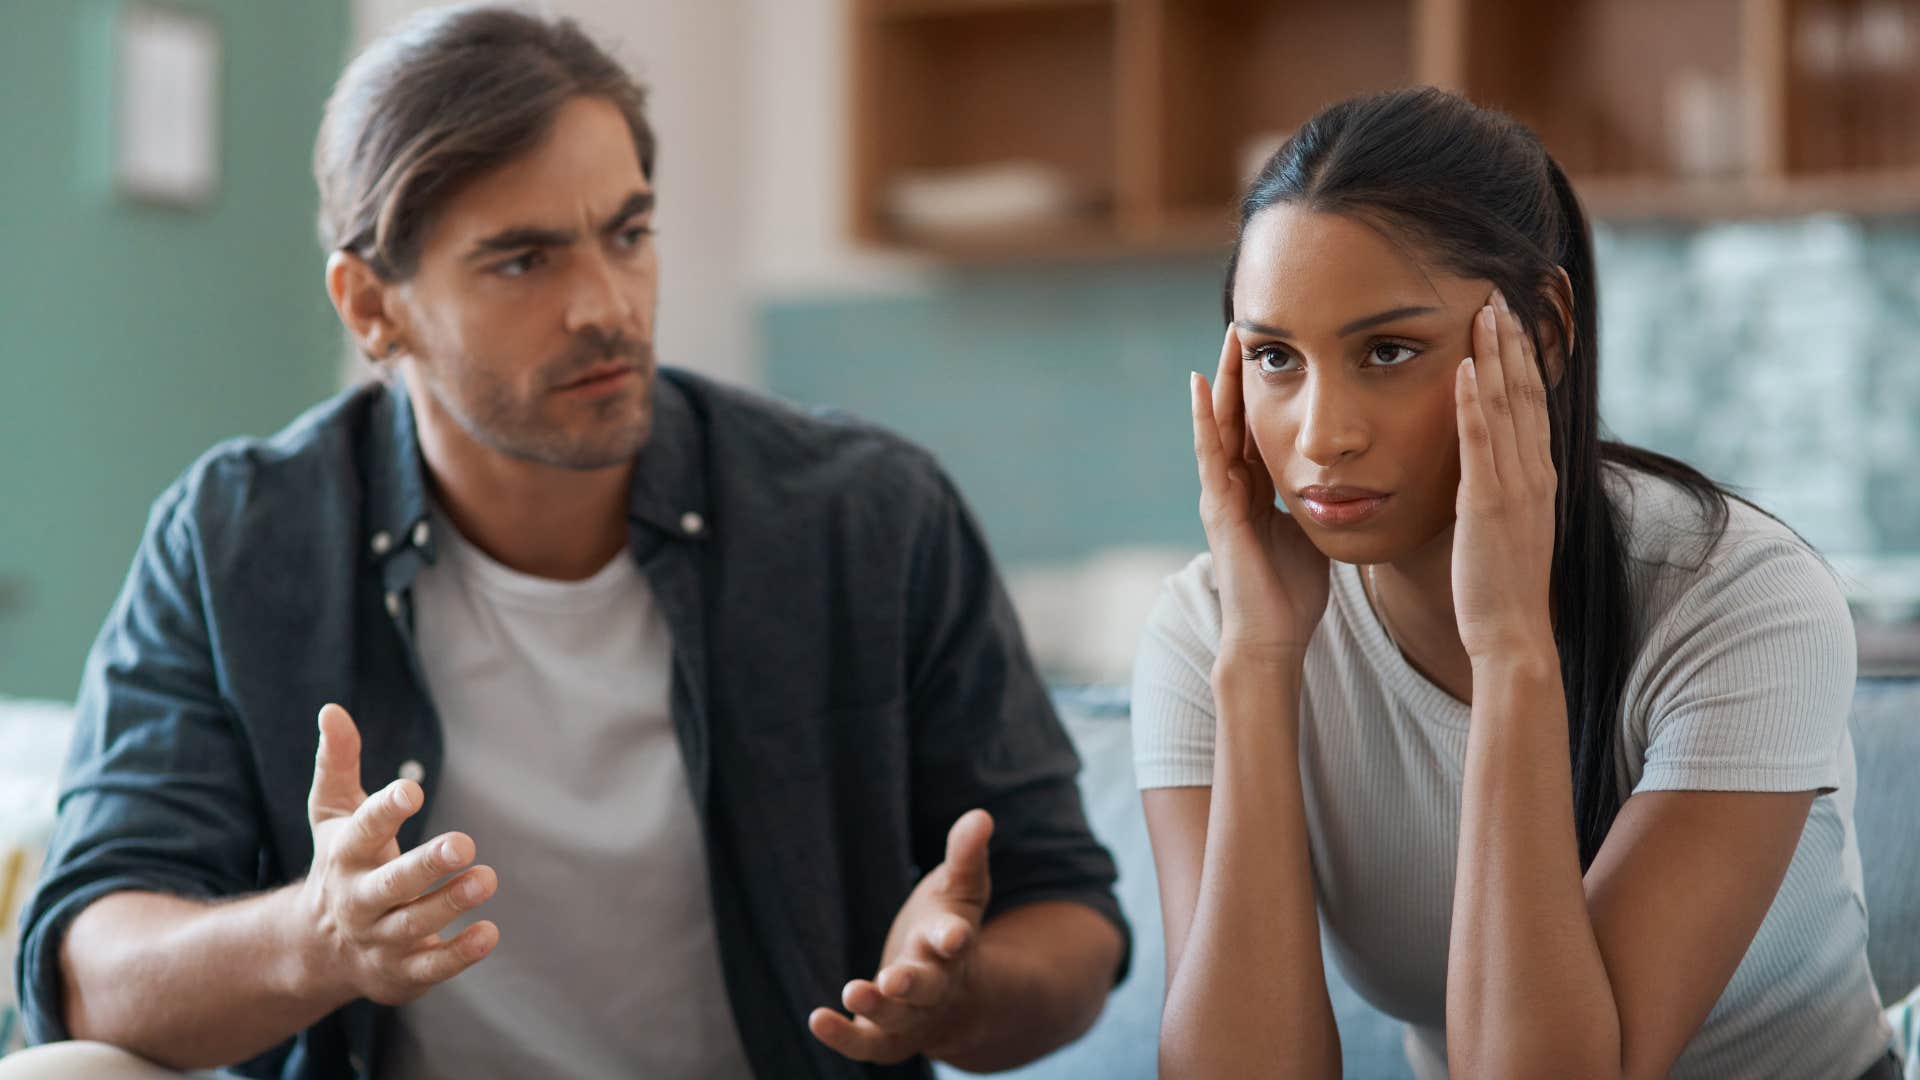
(600, 375)
(1341, 505)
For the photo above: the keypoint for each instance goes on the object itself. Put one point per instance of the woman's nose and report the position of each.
(1331, 425)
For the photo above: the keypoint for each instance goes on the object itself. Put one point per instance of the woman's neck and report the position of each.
(1413, 599)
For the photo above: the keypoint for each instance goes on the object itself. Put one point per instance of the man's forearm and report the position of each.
(190, 984)
(1041, 973)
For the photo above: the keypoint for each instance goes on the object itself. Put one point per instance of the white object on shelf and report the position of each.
(167, 106)
(993, 196)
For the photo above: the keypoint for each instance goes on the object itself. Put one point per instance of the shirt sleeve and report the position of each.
(1751, 676)
(155, 795)
(985, 733)
(1173, 717)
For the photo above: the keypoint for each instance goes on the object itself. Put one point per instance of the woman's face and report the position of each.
(1349, 348)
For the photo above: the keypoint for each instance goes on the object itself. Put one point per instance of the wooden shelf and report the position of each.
(1155, 110)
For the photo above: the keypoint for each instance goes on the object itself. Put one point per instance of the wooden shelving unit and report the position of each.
(1149, 112)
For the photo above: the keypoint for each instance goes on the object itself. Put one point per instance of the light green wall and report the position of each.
(132, 338)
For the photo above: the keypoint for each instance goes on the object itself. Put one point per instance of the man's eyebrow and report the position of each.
(1354, 327)
(522, 237)
(637, 203)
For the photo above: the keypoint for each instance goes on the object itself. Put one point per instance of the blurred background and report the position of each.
(995, 225)
(999, 227)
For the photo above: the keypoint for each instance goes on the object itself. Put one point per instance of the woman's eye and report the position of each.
(1273, 361)
(1388, 354)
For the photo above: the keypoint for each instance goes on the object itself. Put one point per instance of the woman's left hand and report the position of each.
(1504, 513)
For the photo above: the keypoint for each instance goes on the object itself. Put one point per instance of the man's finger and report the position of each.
(404, 879)
(336, 788)
(948, 936)
(377, 822)
(863, 998)
(857, 1038)
(432, 966)
(914, 982)
(966, 879)
(438, 909)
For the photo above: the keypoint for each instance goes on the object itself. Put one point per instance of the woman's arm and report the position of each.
(1609, 976)
(1246, 991)
(1547, 973)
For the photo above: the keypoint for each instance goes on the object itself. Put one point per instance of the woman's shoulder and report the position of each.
(1668, 528)
(1752, 586)
(1189, 606)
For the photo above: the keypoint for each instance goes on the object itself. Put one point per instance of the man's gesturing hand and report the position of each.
(373, 928)
(920, 1001)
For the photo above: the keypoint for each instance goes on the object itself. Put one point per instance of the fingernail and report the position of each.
(1473, 372)
(1500, 300)
(904, 982)
(469, 891)
(1486, 315)
(403, 798)
(448, 854)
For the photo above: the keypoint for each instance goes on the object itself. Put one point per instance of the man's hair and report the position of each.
(450, 95)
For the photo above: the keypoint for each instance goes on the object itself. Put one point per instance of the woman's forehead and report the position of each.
(1307, 269)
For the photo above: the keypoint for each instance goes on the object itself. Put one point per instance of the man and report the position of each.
(678, 708)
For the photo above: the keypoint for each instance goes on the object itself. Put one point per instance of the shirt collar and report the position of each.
(669, 490)
(668, 494)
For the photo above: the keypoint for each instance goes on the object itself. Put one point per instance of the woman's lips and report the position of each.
(1341, 507)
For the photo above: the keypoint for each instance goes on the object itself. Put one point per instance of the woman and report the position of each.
(1548, 731)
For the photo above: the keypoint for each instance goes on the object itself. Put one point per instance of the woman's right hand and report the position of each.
(1273, 582)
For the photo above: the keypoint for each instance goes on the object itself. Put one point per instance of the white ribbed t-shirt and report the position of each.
(1741, 680)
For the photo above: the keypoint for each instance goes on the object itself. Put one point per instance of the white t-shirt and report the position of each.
(1741, 680)
(562, 764)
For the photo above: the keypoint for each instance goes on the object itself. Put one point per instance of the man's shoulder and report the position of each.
(298, 468)
(812, 451)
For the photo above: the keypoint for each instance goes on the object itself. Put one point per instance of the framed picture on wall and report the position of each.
(167, 107)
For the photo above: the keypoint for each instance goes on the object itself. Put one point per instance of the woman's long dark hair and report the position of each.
(1475, 190)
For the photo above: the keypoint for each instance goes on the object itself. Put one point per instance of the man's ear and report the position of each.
(1559, 292)
(366, 305)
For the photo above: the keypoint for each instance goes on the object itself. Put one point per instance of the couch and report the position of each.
(1886, 732)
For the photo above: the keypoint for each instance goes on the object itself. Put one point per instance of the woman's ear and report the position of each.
(364, 302)
(1559, 293)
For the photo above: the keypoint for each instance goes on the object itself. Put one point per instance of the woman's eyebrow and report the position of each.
(1365, 323)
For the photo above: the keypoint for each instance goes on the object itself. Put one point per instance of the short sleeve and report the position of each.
(1173, 719)
(1751, 676)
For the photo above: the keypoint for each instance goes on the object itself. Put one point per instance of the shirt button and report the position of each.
(356, 1064)
(420, 534)
(412, 770)
(382, 542)
(691, 523)
(393, 604)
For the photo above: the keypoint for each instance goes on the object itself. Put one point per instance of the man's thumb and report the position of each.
(336, 767)
(966, 864)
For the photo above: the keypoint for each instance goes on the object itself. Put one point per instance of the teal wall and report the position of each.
(132, 338)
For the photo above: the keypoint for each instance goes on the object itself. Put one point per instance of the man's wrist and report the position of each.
(304, 969)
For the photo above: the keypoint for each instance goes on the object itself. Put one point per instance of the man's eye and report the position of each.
(634, 235)
(1388, 354)
(518, 266)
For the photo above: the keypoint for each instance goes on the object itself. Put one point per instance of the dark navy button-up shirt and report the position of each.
(848, 679)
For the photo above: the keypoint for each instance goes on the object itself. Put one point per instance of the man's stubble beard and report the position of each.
(488, 408)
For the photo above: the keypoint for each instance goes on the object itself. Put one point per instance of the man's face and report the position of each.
(530, 318)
